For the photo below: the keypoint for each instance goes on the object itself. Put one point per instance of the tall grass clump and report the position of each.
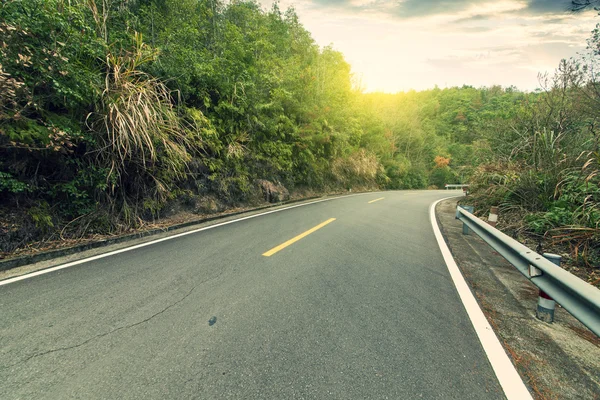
(142, 141)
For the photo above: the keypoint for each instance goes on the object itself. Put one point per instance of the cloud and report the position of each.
(540, 7)
(496, 56)
(402, 44)
(555, 21)
(552, 37)
(334, 3)
(472, 18)
(476, 29)
(422, 8)
(407, 9)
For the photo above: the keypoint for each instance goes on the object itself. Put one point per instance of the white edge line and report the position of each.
(112, 253)
(505, 371)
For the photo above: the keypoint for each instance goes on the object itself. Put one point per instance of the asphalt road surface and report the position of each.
(343, 299)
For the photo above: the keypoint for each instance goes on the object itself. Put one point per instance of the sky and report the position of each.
(399, 45)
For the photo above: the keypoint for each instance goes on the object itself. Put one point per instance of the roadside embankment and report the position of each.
(560, 360)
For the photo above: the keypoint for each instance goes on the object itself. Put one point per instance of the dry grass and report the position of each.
(136, 118)
(14, 96)
(360, 167)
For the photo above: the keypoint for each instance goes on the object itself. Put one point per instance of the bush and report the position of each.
(441, 176)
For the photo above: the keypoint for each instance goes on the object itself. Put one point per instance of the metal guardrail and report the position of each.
(576, 296)
(455, 185)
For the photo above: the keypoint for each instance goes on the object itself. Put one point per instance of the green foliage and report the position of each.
(541, 223)
(10, 184)
(414, 178)
(111, 109)
(441, 176)
(545, 163)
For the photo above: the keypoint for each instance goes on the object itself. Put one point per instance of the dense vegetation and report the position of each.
(544, 171)
(109, 110)
(113, 110)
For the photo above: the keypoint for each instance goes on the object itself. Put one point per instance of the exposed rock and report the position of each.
(273, 192)
(210, 206)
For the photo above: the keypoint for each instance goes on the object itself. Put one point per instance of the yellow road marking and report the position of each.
(373, 201)
(295, 239)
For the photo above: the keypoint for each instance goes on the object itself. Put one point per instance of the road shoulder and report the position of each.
(557, 361)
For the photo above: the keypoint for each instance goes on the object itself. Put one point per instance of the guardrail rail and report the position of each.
(456, 186)
(576, 296)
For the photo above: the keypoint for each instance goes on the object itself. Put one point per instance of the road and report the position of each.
(289, 305)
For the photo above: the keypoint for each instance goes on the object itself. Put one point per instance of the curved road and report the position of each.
(361, 307)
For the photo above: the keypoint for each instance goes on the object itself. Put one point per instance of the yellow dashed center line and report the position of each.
(295, 239)
(373, 201)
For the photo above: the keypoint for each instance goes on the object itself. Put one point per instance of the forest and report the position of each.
(114, 113)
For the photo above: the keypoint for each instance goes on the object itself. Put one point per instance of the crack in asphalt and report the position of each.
(114, 330)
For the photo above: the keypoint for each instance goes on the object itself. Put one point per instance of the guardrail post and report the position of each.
(465, 229)
(493, 217)
(546, 305)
